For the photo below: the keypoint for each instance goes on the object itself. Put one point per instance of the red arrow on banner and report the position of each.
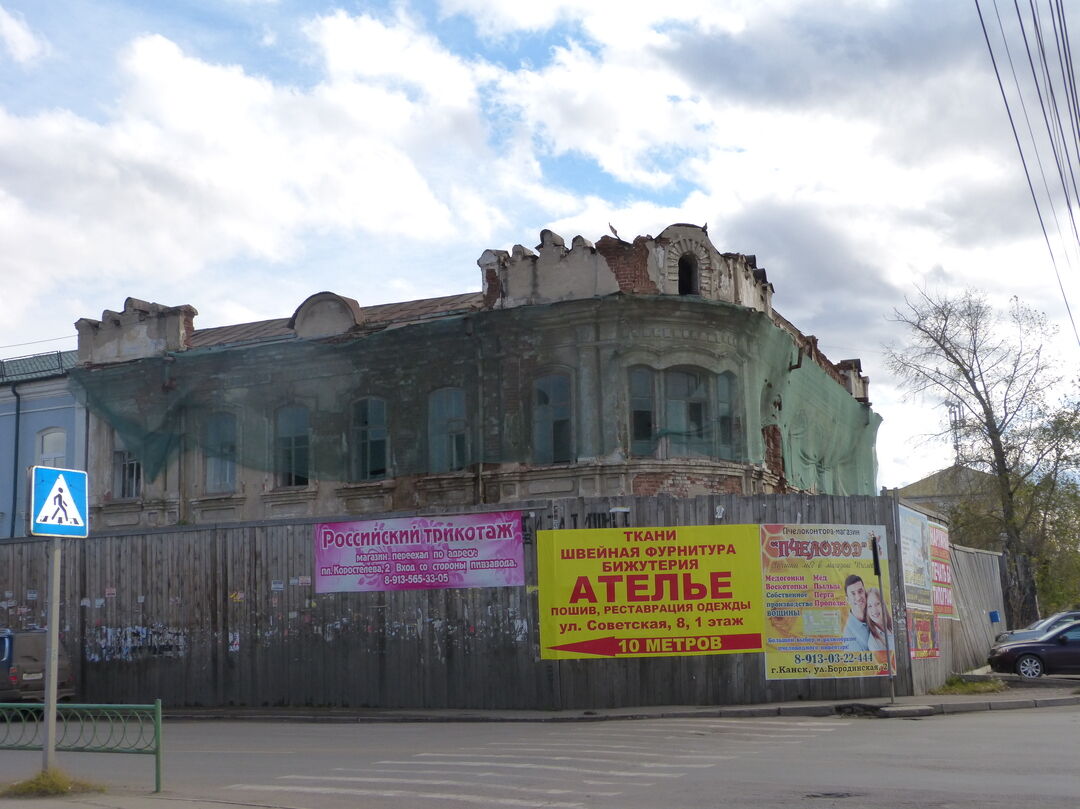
(608, 647)
(700, 644)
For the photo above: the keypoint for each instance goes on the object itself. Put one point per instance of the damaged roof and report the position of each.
(372, 318)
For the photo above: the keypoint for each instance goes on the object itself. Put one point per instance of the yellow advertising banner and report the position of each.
(649, 592)
(827, 614)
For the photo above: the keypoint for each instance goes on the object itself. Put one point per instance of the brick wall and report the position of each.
(629, 263)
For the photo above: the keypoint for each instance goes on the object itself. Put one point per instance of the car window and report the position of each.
(5, 649)
(1072, 633)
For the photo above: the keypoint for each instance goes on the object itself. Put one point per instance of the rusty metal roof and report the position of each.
(371, 318)
(242, 333)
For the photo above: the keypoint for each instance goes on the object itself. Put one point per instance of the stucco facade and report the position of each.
(640, 367)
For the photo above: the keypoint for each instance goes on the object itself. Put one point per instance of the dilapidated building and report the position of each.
(614, 368)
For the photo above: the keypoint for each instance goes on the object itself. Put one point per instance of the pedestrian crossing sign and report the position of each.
(58, 502)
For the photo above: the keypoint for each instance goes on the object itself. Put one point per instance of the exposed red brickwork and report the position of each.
(492, 287)
(683, 485)
(774, 454)
(629, 263)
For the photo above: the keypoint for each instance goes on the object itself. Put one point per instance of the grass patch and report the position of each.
(958, 685)
(48, 783)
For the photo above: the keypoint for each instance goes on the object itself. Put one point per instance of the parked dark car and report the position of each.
(22, 668)
(1040, 627)
(1056, 652)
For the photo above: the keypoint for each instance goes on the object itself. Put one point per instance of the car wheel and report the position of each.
(1029, 667)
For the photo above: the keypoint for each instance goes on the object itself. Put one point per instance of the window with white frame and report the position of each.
(369, 439)
(220, 449)
(52, 448)
(447, 439)
(127, 470)
(552, 435)
(291, 446)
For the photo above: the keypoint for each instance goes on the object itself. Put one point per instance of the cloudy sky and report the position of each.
(239, 155)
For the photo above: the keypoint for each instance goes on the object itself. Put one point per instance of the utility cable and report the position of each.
(1027, 173)
(1031, 134)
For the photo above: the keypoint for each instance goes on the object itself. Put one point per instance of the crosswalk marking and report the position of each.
(610, 749)
(567, 767)
(490, 756)
(561, 768)
(411, 770)
(823, 725)
(442, 782)
(407, 793)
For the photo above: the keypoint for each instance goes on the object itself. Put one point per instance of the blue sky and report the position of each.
(241, 155)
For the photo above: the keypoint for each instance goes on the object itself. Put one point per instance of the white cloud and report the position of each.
(19, 41)
(201, 166)
(852, 150)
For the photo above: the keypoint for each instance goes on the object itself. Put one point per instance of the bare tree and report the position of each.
(994, 367)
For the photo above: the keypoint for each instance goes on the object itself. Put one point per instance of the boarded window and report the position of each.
(369, 439)
(220, 452)
(642, 412)
(291, 446)
(447, 444)
(52, 448)
(552, 439)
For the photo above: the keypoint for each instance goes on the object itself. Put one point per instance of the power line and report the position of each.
(1023, 159)
(38, 342)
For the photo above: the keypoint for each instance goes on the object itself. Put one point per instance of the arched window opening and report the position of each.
(688, 275)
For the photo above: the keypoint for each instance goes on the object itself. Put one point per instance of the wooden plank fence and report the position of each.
(965, 642)
(224, 615)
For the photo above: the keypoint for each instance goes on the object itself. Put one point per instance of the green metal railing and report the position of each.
(86, 729)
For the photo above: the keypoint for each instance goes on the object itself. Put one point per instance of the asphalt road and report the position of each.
(990, 759)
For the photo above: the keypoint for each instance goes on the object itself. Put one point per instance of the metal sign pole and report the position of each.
(887, 612)
(52, 655)
(58, 508)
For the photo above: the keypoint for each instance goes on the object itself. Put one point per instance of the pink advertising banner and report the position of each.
(420, 553)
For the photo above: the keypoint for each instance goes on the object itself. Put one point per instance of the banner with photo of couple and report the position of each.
(827, 611)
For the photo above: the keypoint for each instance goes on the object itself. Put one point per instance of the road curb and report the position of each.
(1012, 704)
(1055, 702)
(878, 710)
(964, 707)
(905, 711)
